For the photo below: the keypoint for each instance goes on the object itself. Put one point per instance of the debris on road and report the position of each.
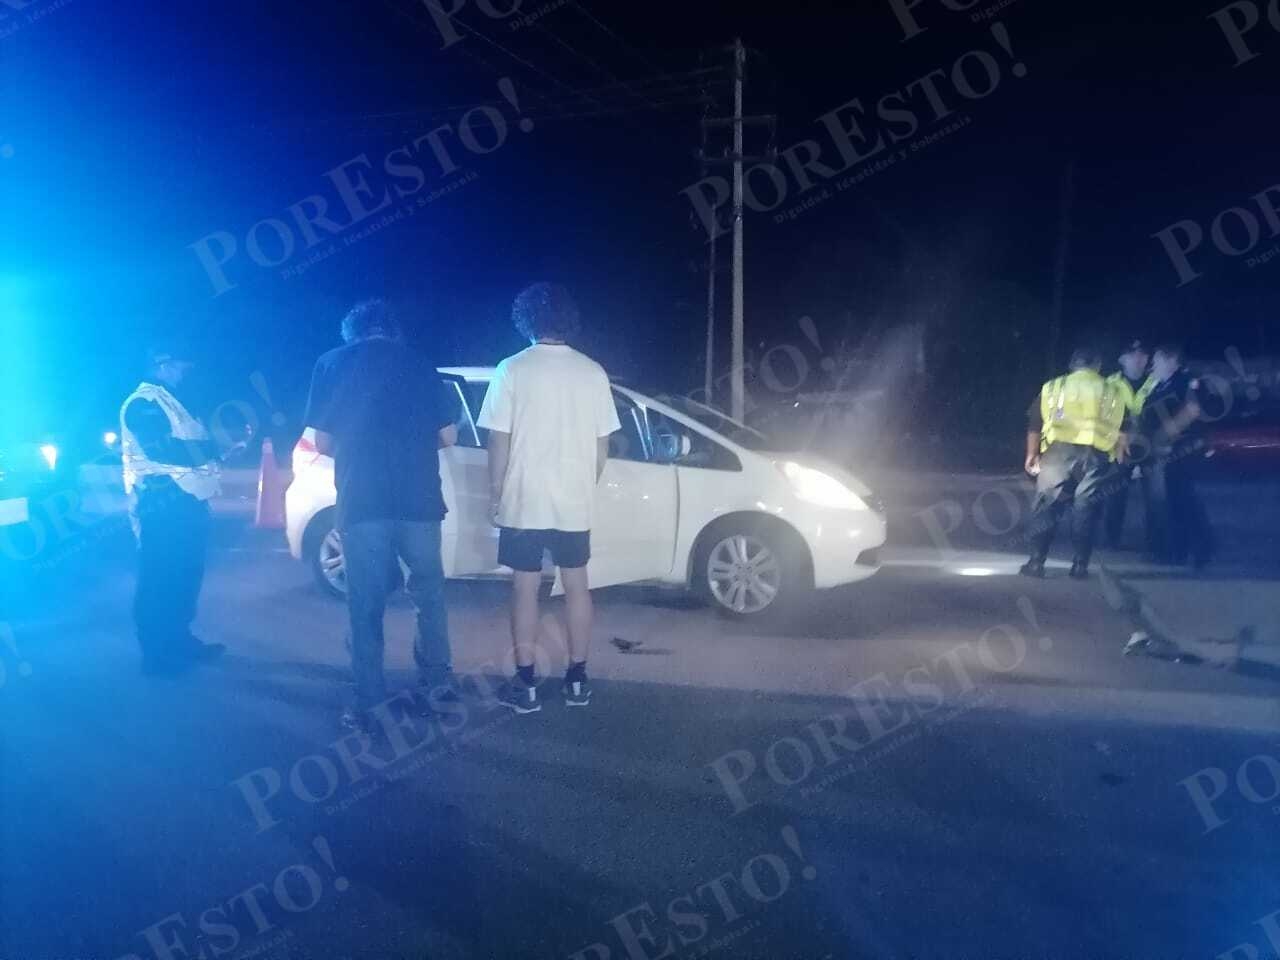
(1154, 638)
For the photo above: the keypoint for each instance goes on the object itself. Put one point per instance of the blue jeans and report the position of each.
(370, 550)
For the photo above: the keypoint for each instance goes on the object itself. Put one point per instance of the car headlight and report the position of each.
(50, 454)
(820, 489)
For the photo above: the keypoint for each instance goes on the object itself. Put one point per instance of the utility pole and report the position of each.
(711, 321)
(736, 156)
(737, 383)
(1065, 199)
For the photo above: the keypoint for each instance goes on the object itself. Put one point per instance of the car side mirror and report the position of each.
(668, 447)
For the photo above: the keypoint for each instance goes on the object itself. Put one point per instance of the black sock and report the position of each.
(577, 672)
(525, 674)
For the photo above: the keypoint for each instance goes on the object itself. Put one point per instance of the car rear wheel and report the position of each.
(748, 571)
(328, 563)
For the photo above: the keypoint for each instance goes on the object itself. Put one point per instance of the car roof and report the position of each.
(477, 374)
(486, 373)
(468, 373)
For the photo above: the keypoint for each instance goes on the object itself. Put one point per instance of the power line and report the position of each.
(514, 56)
(678, 80)
(569, 112)
(520, 60)
(422, 26)
(688, 88)
(582, 56)
(586, 13)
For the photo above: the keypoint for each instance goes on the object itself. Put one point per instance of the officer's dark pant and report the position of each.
(173, 534)
(1117, 501)
(1179, 525)
(1068, 472)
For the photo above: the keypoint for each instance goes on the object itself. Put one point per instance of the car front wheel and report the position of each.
(747, 572)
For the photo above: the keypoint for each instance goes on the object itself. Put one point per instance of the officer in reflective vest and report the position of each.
(1134, 385)
(171, 471)
(1073, 431)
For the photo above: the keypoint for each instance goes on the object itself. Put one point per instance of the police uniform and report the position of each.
(1079, 416)
(170, 473)
(1177, 521)
(1133, 394)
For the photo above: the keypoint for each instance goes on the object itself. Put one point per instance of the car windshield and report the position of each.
(713, 419)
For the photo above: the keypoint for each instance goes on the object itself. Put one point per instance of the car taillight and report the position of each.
(304, 454)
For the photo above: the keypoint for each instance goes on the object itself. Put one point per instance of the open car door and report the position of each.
(634, 522)
(469, 541)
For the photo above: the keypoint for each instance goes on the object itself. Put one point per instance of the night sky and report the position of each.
(130, 131)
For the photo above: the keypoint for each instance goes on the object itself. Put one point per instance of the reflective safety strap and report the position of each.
(1140, 398)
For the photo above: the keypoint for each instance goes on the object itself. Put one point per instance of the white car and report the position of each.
(688, 497)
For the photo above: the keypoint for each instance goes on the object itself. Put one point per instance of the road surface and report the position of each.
(945, 761)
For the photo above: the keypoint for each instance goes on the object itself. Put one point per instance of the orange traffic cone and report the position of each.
(270, 512)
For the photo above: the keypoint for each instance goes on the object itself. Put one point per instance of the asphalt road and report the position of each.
(929, 764)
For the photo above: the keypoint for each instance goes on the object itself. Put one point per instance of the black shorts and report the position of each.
(522, 549)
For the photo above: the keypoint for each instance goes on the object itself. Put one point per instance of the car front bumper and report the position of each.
(844, 545)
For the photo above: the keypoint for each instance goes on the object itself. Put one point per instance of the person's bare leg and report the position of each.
(524, 615)
(552, 634)
(578, 609)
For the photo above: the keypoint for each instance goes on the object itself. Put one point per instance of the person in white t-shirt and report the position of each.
(549, 412)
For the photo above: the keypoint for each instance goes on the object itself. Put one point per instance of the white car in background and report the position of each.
(688, 497)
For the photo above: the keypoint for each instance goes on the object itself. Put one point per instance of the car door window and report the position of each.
(473, 392)
(632, 441)
(673, 442)
(468, 433)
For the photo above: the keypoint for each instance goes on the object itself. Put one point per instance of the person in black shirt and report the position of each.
(1178, 524)
(1133, 368)
(381, 410)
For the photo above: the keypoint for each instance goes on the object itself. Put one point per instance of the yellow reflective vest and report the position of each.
(1082, 408)
(200, 482)
(1133, 400)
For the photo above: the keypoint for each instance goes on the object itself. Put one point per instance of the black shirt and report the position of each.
(385, 404)
(1165, 402)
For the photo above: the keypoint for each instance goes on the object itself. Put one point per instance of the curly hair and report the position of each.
(369, 318)
(546, 311)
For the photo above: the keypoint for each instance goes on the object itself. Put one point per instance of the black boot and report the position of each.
(1033, 568)
(1079, 570)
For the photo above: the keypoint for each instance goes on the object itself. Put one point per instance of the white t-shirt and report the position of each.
(556, 403)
